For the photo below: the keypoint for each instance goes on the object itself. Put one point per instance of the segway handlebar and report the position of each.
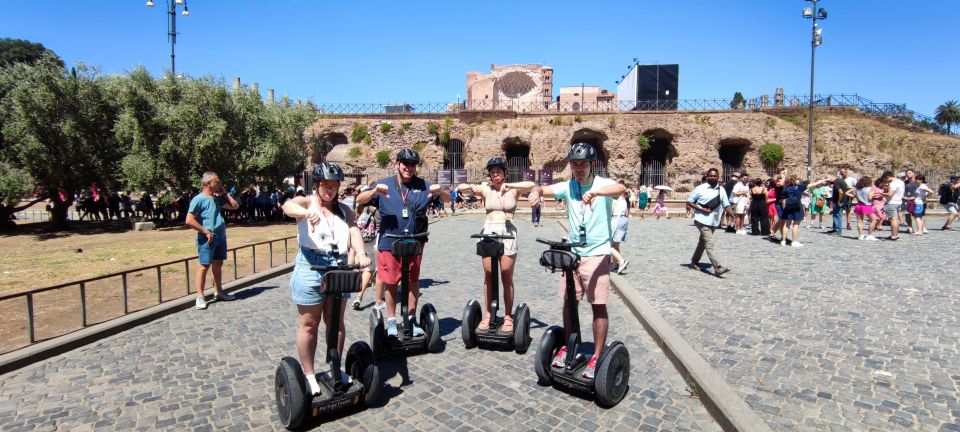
(321, 268)
(562, 244)
(408, 236)
(492, 236)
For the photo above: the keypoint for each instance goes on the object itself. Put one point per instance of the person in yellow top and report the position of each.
(500, 201)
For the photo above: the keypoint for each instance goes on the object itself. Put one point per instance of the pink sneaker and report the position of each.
(591, 369)
(560, 359)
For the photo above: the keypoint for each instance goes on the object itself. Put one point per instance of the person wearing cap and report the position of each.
(403, 201)
(205, 216)
(589, 208)
(500, 201)
(326, 228)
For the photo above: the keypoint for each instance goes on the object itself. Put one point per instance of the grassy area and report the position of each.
(33, 258)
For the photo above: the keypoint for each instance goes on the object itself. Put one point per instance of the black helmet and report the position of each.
(496, 162)
(582, 151)
(327, 171)
(408, 155)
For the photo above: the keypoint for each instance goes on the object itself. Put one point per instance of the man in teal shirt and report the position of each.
(589, 204)
(205, 216)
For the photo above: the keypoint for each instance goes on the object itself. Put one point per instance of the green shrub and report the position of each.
(356, 152)
(419, 146)
(383, 158)
(359, 132)
(385, 127)
(612, 122)
(433, 128)
(445, 137)
(447, 123)
(643, 142)
(367, 140)
(405, 126)
(738, 101)
(556, 120)
(577, 118)
(771, 154)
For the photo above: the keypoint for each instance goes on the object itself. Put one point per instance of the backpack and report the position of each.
(791, 200)
(945, 193)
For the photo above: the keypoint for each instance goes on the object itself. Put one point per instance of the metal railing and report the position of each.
(846, 100)
(42, 215)
(121, 281)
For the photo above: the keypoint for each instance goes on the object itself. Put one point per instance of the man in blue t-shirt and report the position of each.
(403, 201)
(205, 216)
(589, 206)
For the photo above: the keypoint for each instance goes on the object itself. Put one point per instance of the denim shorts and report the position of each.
(304, 282)
(215, 251)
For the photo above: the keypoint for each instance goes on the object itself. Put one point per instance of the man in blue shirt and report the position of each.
(205, 216)
(402, 200)
(708, 200)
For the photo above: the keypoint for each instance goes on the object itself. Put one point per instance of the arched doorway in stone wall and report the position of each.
(596, 139)
(656, 158)
(453, 155)
(731, 152)
(518, 158)
(332, 148)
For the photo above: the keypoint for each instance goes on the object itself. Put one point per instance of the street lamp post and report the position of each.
(815, 40)
(172, 28)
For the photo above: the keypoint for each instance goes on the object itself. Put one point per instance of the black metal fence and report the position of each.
(107, 297)
(855, 101)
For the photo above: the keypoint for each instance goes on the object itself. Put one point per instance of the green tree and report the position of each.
(948, 114)
(58, 128)
(738, 101)
(23, 51)
(771, 154)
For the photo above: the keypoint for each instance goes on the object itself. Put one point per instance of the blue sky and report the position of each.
(419, 51)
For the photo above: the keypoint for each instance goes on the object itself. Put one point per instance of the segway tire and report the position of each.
(431, 326)
(377, 333)
(613, 376)
(362, 368)
(550, 343)
(290, 386)
(468, 326)
(521, 329)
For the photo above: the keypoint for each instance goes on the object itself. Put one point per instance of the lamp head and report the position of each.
(149, 3)
(807, 12)
(822, 13)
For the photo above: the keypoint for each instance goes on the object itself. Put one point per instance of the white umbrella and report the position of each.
(664, 187)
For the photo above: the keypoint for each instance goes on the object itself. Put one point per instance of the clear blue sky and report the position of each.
(419, 51)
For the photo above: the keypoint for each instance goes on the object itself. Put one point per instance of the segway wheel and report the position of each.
(362, 368)
(377, 333)
(468, 326)
(290, 386)
(550, 343)
(613, 376)
(521, 331)
(431, 326)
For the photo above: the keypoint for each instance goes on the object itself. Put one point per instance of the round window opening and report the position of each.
(515, 84)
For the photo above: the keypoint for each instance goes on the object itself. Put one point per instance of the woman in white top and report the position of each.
(500, 200)
(920, 204)
(325, 227)
(619, 220)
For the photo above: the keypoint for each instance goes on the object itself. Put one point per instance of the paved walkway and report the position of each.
(213, 369)
(838, 335)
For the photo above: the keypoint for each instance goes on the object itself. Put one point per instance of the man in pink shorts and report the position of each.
(589, 206)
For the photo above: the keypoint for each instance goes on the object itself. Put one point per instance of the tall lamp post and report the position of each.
(172, 28)
(815, 40)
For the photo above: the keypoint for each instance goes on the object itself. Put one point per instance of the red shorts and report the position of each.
(388, 268)
(594, 275)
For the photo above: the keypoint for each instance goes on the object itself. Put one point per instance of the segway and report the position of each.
(612, 375)
(294, 404)
(491, 246)
(406, 247)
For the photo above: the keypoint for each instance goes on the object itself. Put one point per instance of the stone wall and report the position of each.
(842, 139)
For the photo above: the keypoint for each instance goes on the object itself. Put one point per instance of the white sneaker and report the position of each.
(356, 303)
(313, 387)
(925, 231)
(623, 266)
(224, 296)
(862, 237)
(380, 306)
(872, 238)
(201, 303)
(797, 244)
(783, 242)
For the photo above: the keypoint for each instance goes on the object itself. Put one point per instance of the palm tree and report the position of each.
(948, 114)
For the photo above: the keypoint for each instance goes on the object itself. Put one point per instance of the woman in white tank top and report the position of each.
(325, 227)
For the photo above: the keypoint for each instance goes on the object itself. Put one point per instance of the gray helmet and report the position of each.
(582, 151)
(408, 155)
(496, 162)
(327, 171)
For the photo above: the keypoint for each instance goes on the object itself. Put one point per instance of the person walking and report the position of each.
(536, 205)
(590, 201)
(205, 216)
(948, 198)
(894, 190)
(643, 197)
(619, 221)
(920, 204)
(708, 201)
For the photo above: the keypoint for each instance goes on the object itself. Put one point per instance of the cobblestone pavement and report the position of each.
(213, 369)
(840, 334)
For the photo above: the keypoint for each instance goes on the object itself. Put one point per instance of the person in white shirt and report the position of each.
(741, 199)
(707, 201)
(619, 219)
(894, 193)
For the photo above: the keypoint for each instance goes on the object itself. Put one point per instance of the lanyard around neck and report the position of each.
(403, 196)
